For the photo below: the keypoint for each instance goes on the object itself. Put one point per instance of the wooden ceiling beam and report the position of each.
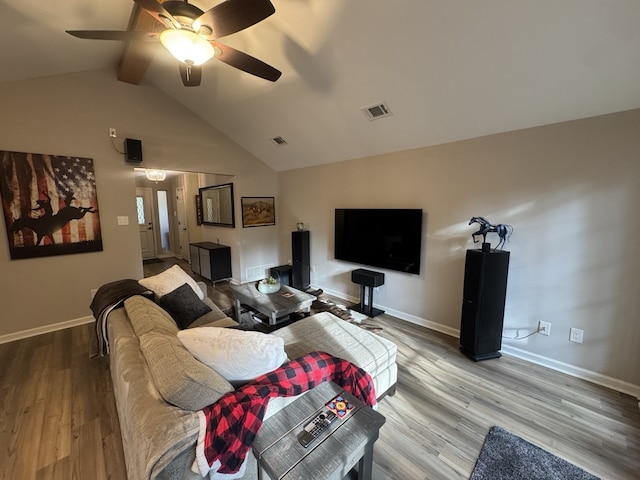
(137, 56)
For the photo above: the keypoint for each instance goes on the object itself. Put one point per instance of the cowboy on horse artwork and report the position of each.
(48, 223)
(50, 204)
(503, 231)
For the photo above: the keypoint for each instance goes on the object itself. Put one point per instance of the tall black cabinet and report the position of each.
(485, 291)
(301, 256)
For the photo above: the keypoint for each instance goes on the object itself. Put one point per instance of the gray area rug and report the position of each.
(506, 456)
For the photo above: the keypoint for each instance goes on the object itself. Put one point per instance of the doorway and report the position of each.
(144, 208)
(167, 216)
(183, 226)
(163, 223)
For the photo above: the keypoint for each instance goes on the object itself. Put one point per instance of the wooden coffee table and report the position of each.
(273, 305)
(346, 443)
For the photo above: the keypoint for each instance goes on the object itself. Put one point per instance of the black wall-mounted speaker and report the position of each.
(132, 150)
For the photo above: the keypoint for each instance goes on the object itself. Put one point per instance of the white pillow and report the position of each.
(237, 355)
(169, 280)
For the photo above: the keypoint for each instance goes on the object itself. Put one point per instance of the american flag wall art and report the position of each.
(50, 204)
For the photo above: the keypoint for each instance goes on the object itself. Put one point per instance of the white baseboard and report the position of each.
(32, 332)
(438, 327)
(347, 298)
(452, 332)
(578, 372)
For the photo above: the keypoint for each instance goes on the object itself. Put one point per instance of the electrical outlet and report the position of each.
(575, 335)
(544, 328)
(112, 132)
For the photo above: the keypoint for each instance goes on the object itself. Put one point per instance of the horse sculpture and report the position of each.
(503, 231)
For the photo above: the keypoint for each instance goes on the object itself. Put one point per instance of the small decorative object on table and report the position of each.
(300, 226)
(340, 406)
(268, 285)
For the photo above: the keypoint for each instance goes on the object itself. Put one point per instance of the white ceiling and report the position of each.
(448, 69)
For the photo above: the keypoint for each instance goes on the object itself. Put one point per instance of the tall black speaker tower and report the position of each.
(301, 256)
(485, 291)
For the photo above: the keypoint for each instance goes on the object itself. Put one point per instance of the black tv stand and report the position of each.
(370, 279)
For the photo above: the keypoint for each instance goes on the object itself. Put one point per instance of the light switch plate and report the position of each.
(123, 220)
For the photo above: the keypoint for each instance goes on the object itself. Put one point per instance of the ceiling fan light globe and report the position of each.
(187, 46)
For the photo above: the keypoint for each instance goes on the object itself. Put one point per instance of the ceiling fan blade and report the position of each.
(124, 36)
(245, 62)
(159, 13)
(190, 74)
(234, 15)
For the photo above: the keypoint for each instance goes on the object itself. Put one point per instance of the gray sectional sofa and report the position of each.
(159, 386)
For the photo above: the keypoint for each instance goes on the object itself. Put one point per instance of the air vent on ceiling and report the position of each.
(379, 110)
(279, 141)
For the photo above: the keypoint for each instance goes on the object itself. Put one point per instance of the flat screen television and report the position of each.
(384, 238)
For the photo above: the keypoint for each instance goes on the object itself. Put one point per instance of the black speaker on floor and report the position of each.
(485, 291)
(132, 150)
(301, 255)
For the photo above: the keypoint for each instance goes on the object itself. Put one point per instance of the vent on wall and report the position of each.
(379, 110)
(259, 272)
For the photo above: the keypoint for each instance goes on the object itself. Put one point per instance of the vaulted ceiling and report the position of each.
(447, 69)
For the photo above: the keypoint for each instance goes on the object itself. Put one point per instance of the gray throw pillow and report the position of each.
(147, 316)
(184, 306)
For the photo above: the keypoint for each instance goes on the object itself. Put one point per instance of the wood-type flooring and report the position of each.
(59, 421)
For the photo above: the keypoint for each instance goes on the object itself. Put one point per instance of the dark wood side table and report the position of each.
(348, 442)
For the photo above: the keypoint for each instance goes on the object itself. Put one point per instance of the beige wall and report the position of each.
(71, 115)
(570, 190)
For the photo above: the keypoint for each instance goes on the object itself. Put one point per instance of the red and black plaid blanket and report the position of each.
(232, 423)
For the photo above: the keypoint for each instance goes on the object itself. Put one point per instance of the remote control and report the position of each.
(315, 427)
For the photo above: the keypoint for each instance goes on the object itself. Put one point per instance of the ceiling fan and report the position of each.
(191, 35)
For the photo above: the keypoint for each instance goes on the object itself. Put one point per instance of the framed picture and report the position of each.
(50, 204)
(258, 211)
